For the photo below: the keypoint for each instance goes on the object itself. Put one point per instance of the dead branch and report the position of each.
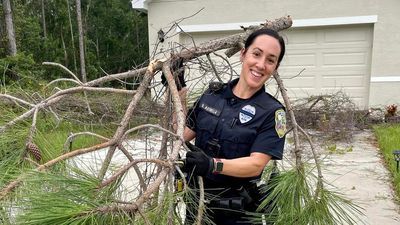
(231, 41)
(200, 210)
(72, 136)
(29, 113)
(62, 79)
(149, 126)
(76, 78)
(152, 68)
(213, 67)
(12, 185)
(142, 184)
(124, 169)
(289, 108)
(32, 130)
(317, 162)
(121, 147)
(15, 99)
(163, 174)
(63, 68)
(114, 142)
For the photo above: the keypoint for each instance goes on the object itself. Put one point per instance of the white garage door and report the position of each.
(335, 58)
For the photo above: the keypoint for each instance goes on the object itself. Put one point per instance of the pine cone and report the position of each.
(34, 150)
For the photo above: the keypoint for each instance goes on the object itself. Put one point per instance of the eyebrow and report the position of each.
(259, 49)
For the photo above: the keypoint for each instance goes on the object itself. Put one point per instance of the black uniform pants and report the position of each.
(224, 206)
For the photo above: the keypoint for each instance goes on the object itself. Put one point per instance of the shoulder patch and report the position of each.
(280, 122)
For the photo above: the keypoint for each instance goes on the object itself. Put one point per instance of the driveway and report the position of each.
(357, 169)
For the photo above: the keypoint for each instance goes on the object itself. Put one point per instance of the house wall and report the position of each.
(385, 73)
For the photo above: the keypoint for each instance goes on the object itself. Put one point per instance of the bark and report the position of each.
(233, 41)
(64, 50)
(44, 20)
(72, 36)
(2, 33)
(289, 108)
(81, 38)
(12, 46)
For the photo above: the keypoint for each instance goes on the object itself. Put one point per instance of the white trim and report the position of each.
(296, 23)
(140, 4)
(385, 79)
(335, 21)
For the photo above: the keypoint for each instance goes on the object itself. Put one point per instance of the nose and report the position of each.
(260, 64)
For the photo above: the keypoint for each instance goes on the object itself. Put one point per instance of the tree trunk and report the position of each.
(2, 37)
(44, 21)
(12, 46)
(72, 37)
(64, 49)
(81, 37)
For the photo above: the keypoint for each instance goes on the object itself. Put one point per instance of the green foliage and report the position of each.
(21, 69)
(115, 37)
(69, 198)
(292, 201)
(12, 146)
(388, 140)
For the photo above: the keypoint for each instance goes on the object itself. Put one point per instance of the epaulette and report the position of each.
(216, 86)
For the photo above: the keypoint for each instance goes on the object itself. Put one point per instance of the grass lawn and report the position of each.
(389, 139)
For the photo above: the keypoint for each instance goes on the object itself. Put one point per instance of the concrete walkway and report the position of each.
(360, 174)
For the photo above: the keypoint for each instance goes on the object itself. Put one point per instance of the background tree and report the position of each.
(81, 40)
(8, 18)
(115, 39)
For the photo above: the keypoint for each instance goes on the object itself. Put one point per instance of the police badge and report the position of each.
(247, 113)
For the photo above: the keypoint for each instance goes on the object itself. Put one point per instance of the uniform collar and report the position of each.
(228, 93)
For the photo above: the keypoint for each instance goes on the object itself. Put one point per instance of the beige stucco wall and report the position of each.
(386, 35)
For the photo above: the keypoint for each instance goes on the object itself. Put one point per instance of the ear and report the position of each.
(242, 53)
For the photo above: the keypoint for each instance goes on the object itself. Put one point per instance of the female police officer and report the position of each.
(238, 128)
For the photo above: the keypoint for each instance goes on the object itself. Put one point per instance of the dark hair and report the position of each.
(269, 32)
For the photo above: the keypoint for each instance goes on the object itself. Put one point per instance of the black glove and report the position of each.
(198, 163)
(178, 71)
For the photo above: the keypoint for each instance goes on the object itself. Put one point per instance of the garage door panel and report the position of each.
(301, 82)
(342, 55)
(302, 36)
(304, 60)
(299, 93)
(355, 58)
(351, 71)
(349, 35)
(342, 81)
(352, 92)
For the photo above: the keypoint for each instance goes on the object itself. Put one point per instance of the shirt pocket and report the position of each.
(206, 126)
(237, 141)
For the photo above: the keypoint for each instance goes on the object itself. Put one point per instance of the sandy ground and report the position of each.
(361, 176)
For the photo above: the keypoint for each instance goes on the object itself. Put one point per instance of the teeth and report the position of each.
(256, 74)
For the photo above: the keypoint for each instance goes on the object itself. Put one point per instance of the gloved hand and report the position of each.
(178, 71)
(198, 163)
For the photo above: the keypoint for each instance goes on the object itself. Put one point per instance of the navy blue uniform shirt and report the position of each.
(229, 127)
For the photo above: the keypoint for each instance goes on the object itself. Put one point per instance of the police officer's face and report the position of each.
(259, 61)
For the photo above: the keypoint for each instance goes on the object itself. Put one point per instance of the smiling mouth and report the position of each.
(256, 74)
